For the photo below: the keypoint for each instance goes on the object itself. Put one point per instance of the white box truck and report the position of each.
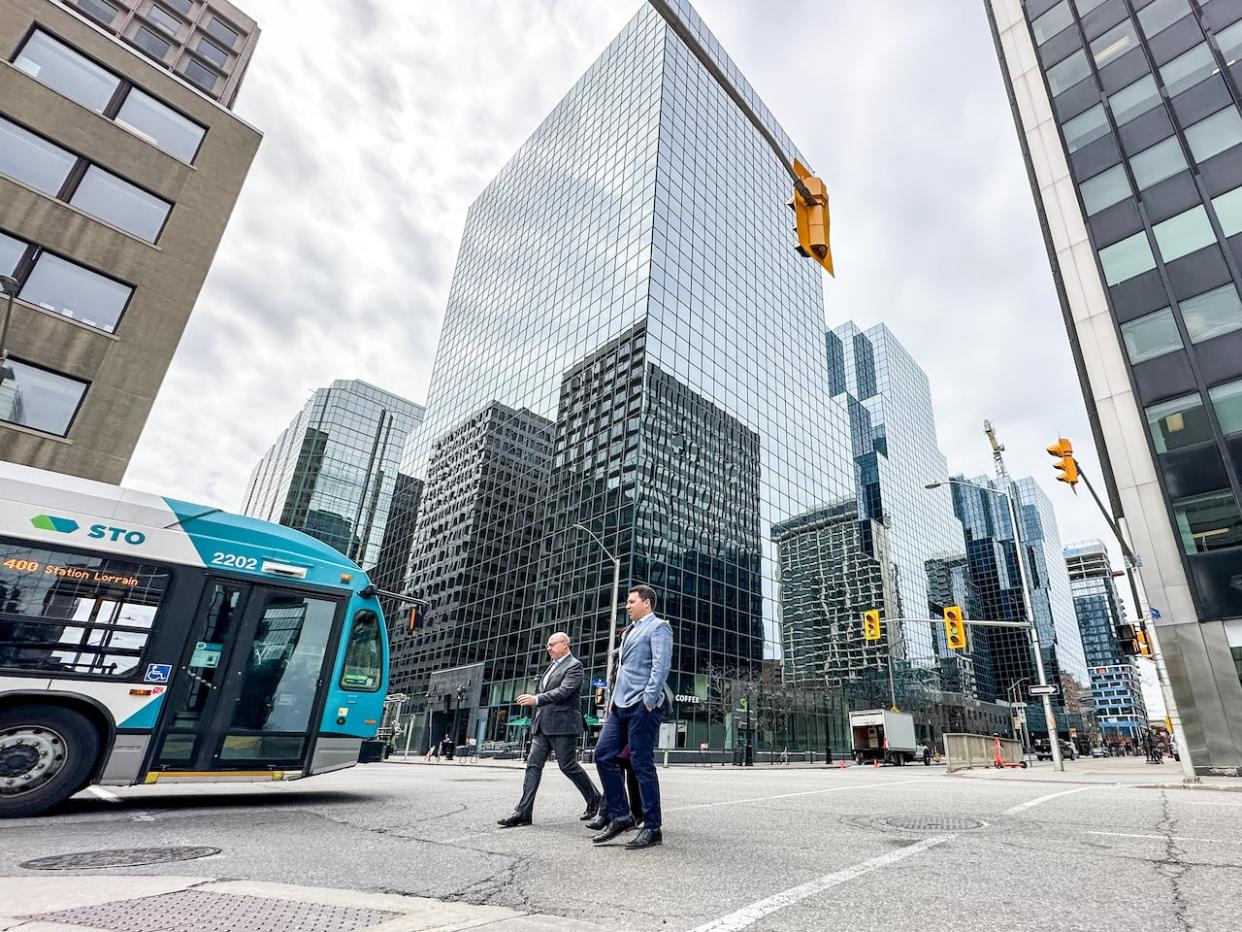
(879, 734)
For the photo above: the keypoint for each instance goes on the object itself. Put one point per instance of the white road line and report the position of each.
(749, 915)
(107, 795)
(1043, 799)
(1228, 841)
(723, 802)
(1186, 802)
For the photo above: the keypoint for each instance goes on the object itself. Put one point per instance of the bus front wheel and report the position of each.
(46, 755)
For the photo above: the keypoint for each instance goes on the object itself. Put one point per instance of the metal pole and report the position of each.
(8, 285)
(1050, 718)
(892, 688)
(612, 614)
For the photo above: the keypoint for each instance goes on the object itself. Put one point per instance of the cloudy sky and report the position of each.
(383, 119)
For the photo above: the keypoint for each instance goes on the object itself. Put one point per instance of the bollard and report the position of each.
(666, 758)
(876, 764)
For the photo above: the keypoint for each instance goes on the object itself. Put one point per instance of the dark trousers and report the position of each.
(566, 748)
(639, 729)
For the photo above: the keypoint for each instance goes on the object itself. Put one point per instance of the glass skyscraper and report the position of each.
(1116, 685)
(1129, 122)
(1003, 656)
(334, 471)
(630, 344)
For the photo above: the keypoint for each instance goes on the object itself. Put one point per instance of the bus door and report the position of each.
(248, 690)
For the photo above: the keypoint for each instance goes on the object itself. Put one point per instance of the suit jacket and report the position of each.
(558, 706)
(646, 655)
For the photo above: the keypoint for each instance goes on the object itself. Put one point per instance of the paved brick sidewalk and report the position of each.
(96, 903)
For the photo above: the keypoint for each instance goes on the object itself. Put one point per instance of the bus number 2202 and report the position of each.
(236, 560)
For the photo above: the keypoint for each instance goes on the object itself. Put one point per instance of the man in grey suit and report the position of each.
(556, 726)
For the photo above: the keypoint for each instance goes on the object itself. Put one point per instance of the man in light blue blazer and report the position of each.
(633, 718)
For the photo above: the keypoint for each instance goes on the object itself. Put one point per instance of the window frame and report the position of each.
(1116, 27)
(1213, 391)
(205, 66)
(349, 643)
(119, 96)
(1166, 314)
(31, 262)
(1191, 134)
(157, 621)
(1171, 141)
(86, 387)
(1152, 416)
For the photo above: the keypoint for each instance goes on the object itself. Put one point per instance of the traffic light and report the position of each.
(812, 220)
(954, 627)
(1066, 466)
(411, 623)
(1144, 647)
(871, 625)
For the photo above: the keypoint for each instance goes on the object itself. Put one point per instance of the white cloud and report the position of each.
(383, 120)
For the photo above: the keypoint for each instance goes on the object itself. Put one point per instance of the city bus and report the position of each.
(148, 640)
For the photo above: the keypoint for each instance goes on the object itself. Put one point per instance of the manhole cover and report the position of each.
(203, 911)
(933, 824)
(118, 857)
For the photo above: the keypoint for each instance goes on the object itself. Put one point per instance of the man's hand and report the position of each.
(526, 699)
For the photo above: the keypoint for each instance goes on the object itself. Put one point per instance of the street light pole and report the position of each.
(612, 614)
(1050, 718)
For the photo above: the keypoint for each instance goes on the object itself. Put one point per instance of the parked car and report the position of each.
(1100, 751)
(1043, 750)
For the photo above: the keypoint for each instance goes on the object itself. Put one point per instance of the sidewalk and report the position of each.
(1131, 771)
(94, 903)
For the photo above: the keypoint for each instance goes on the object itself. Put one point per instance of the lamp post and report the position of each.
(1050, 718)
(612, 614)
(8, 285)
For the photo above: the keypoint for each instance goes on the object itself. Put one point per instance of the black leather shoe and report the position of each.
(647, 838)
(592, 809)
(599, 822)
(513, 821)
(615, 827)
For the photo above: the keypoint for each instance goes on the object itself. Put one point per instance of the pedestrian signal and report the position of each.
(954, 627)
(1066, 466)
(412, 622)
(871, 625)
(811, 218)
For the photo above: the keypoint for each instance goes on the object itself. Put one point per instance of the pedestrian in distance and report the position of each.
(633, 718)
(555, 727)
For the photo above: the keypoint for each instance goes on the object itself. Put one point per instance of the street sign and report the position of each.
(598, 684)
(1049, 690)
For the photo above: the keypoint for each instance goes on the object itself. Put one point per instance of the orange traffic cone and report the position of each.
(843, 763)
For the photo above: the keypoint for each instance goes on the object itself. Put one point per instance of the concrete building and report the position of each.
(1128, 119)
(335, 470)
(117, 179)
(208, 42)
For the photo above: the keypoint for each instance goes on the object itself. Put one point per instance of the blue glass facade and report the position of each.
(1003, 656)
(1116, 685)
(632, 344)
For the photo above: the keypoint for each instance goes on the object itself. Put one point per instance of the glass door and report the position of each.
(250, 683)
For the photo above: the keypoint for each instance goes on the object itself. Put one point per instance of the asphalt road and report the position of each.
(763, 849)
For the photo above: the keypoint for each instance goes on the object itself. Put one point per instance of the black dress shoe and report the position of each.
(513, 821)
(615, 827)
(599, 822)
(592, 809)
(647, 838)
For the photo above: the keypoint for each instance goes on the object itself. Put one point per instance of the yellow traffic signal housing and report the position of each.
(1143, 645)
(412, 621)
(1067, 467)
(871, 625)
(812, 220)
(954, 627)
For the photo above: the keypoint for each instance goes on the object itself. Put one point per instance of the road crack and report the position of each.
(1173, 866)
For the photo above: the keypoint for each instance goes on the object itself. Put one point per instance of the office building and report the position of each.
(1127, 116)
(628, 304)
(207, 42)
(1005, 665)
(896, 456)
(116, 182)
(1116, 685)
(334, 473)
